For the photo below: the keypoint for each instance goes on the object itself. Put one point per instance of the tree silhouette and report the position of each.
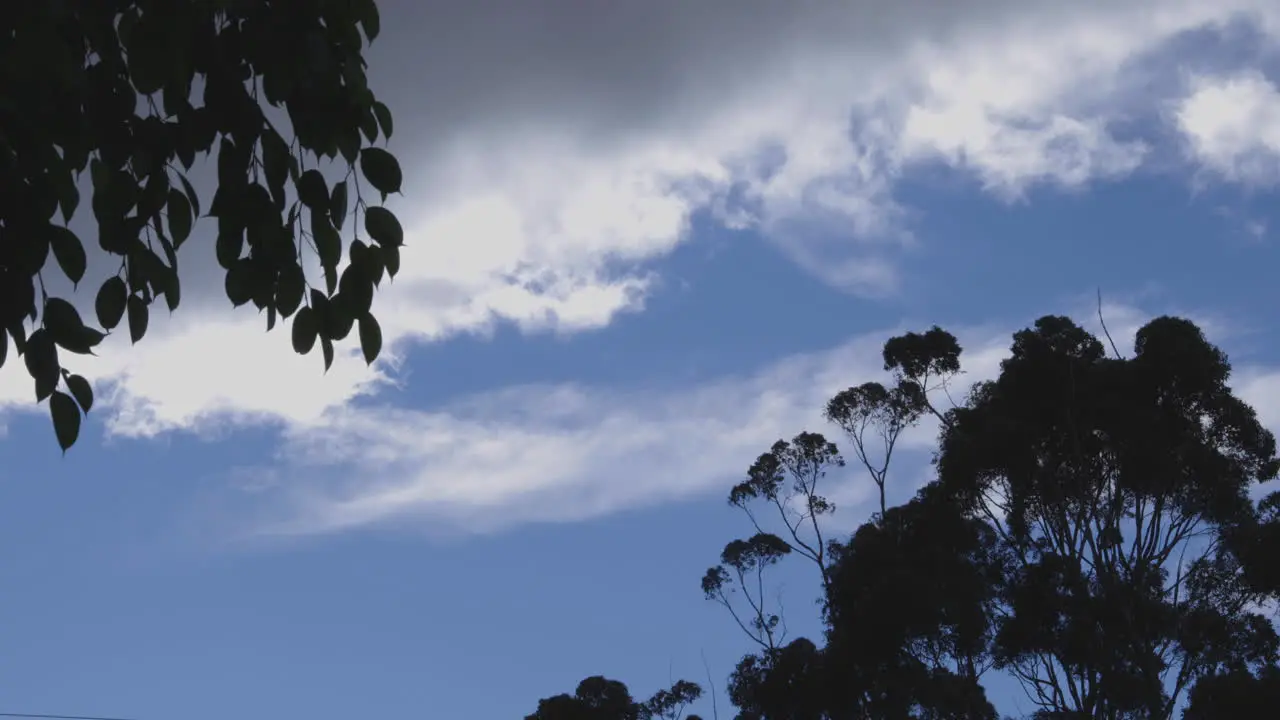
(1089, 532)
(908, 616)
(1235, 693)
(135, 91)
(885, 413)
(1112, 484)
(742, 566)
(787, 683)
(598, 698)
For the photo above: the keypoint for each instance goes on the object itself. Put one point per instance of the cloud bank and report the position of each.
(558, 453)
(549, 453)
(555, 150)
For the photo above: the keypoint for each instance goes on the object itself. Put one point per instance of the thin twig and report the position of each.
(711, 685)
(1104, 327)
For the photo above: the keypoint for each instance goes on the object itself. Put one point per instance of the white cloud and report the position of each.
(200, 370)
(568, 452)
(575, 145)
(1025, 104)
(1232, 126)
(1261, 388)
(553, 152)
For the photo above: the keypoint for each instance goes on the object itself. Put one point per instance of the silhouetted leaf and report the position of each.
(326, 348)
(384, 118)
(289, 289)
(68, 251)
(229, 246)
(381, 169)
(305, 327)
(370, 337)
(367, 14)
(338, 204)
(391, 259)
(180, 218)
(313, 191)
(383, 227)
(139, 315)
(373, 263)
(275, 163)
(238, 283)
(66, 419)
(64, 325)
(368, 126)
(41, 358)
(330, 278)
(328, 241)
(356, 289)
(31, 254)
(348, 140)
(191, 195)
(110, 302)
(68, 198)
(81, 390)
(149, 65)
(339, 317)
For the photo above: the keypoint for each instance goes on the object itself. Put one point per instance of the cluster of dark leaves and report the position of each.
(134, 92)
(1089, 532)
(598, 698)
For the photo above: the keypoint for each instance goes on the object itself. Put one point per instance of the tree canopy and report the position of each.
(598, 698)
(1089, 531)
(136, 92)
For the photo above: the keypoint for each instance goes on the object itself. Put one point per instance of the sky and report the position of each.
(644, 241)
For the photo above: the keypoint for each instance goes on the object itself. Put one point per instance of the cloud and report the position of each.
(204, 369)
(555, 151)
(1260, 386)
(1232, 126)
(796, 119)
(547, 453)
(558, 453)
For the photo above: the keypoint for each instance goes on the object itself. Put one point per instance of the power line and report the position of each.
(40, 716)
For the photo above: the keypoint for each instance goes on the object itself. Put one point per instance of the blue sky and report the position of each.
(644, 244)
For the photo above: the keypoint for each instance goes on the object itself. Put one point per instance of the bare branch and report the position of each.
(1102, 321)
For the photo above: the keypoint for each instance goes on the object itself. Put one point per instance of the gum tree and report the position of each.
(1090, 532)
